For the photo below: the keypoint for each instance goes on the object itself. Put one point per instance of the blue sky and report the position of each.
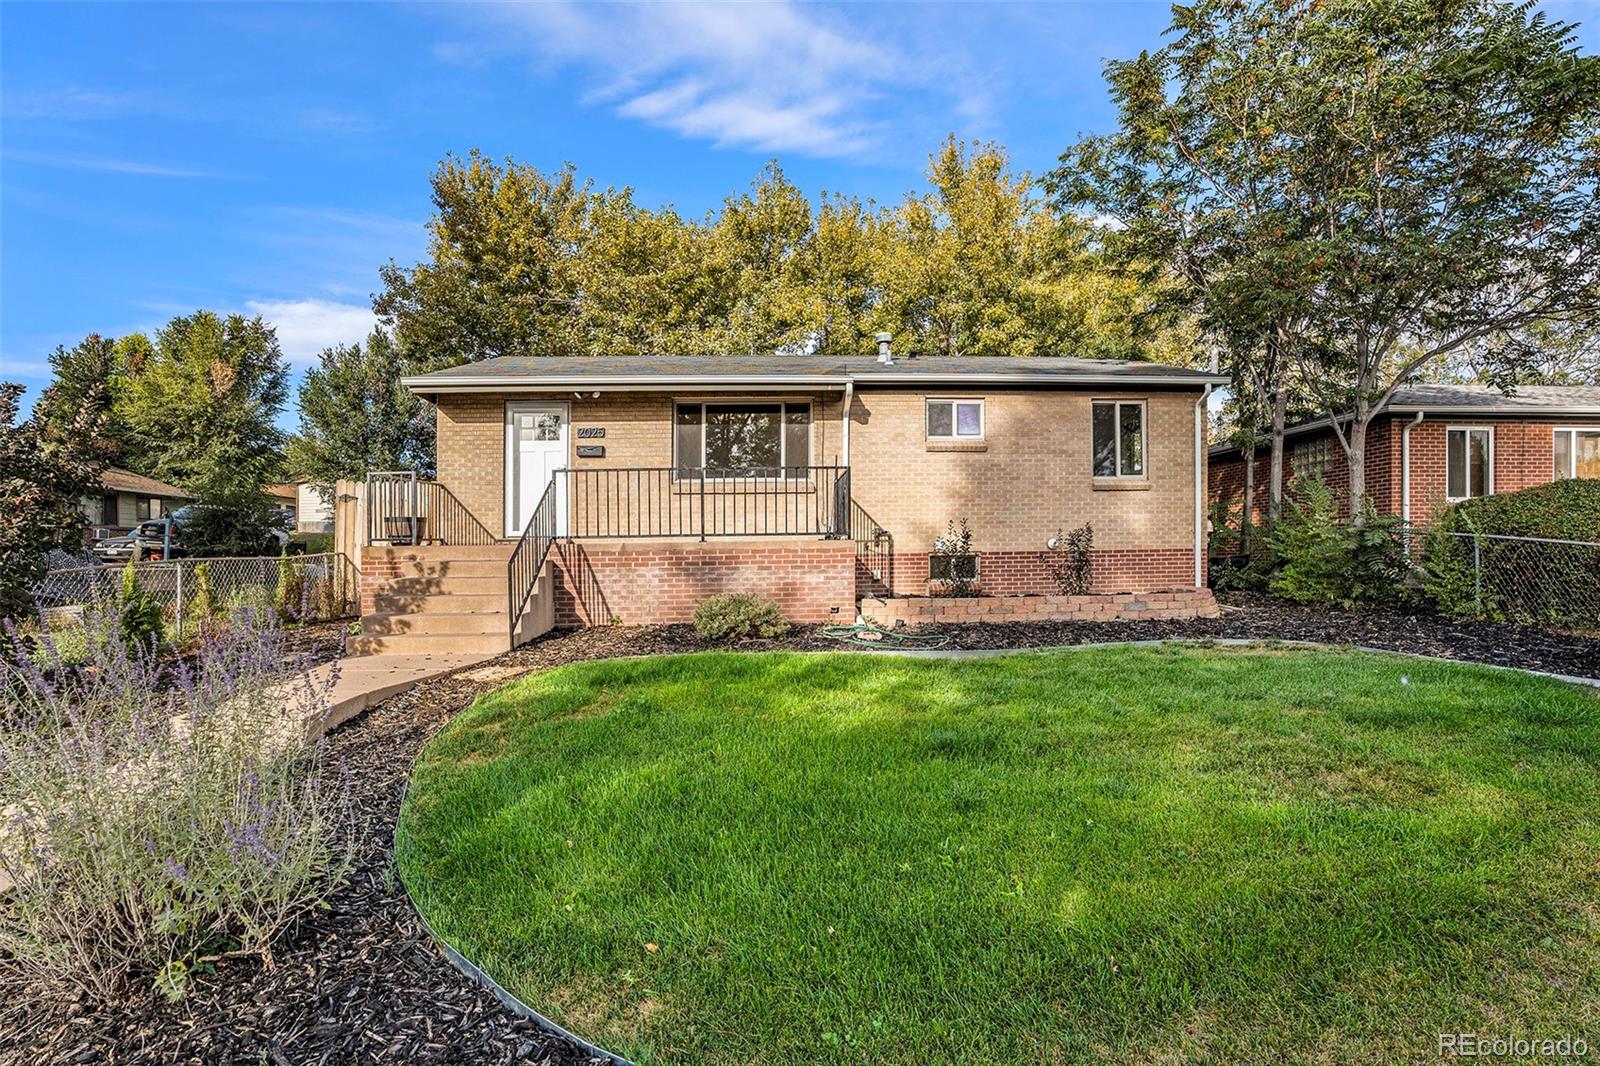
(155, 159)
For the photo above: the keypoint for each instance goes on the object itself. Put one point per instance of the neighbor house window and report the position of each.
(742, 439)
(1312, 459)
(1577, 453)
(143, 507)
(1469, 459)
(1118, 438)
(955, 419)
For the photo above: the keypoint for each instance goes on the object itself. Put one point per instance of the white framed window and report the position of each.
(1119, 438)
(741, 439)
(955, 419)
(1577, 451)
(1469, 462)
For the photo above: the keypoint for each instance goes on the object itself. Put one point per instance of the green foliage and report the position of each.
(291, 601)
(739, 617)
(526, 263)
(952, 565)
(1358, 190)
(138, 611)
(152, 821)
(1070, 561)
(1326, 559)
(355, 416)
(1533, 582)
(204, 604)
(47, 464)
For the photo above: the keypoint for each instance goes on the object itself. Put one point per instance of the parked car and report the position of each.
(113, 549)
(154, 539)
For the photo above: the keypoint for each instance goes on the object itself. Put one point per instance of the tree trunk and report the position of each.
(1358, 467)
(1280, 405)
(1248, 512)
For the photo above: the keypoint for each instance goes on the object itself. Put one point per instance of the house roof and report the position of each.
(289, 490)
(1560, 401)
(116, 479)
(612, 373)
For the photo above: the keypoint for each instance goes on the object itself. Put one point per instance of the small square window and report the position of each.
(955, 419)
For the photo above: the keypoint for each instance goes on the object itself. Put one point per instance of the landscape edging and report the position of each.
(475, 972)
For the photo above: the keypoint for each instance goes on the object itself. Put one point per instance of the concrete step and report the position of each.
(435, 623)
(449, 586)
(453, 568)
(450, 603)
(430, 643)
(444, 552)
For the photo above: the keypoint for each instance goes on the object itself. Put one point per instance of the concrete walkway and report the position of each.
(365, 679)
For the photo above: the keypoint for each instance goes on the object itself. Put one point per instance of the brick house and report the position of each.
(641, 486)
(1433, 445)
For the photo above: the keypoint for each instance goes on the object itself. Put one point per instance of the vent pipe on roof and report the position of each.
(884, 356)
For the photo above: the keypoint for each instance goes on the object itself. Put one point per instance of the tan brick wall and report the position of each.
(1029, 478)
(472, 448)
(1032, 476)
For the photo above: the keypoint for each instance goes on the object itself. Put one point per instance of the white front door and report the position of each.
(536, 447)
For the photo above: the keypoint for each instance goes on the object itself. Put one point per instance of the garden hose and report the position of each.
(867, 635)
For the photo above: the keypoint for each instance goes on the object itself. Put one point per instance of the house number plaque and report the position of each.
(591, 432)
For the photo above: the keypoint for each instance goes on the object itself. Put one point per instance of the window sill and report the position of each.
(1120, 484)
(957, 446)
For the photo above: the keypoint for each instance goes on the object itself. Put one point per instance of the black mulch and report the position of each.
(362, 982)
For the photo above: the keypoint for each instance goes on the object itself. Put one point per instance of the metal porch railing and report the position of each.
(403, 509)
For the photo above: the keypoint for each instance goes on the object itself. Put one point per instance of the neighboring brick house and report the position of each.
(811, 479)
(125, 500)
(1433, 445)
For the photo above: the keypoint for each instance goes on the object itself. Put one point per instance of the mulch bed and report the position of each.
(362, 981)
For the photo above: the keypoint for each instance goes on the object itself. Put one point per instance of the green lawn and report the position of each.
(1143, 853)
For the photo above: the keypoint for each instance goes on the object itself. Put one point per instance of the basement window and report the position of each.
(952, 568)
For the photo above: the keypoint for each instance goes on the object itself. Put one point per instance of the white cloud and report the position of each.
(306, 327)
(115, 166)
(771, 77)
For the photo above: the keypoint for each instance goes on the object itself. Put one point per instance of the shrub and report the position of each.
(1070, 561)
(739, 617)
(952, 566)
(292, 600)
(1324, 558)
(203, 607)
(158, 812)
(138, 612)
(1532, 582)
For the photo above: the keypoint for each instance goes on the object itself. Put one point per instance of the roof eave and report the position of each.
(427, 384)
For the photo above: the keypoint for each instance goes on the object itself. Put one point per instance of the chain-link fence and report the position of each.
(1544, 581)
(302, 587)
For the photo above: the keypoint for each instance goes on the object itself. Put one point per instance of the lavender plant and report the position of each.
(156, 812)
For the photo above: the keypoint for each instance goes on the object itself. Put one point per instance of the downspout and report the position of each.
(1405, 476)
(844, 428)
(1200, 486)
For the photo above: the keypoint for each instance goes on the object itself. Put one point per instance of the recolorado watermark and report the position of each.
(1474, 1046)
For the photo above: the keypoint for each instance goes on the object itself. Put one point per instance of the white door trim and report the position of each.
(513, 526)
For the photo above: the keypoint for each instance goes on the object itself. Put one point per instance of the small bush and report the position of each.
(739, 617)
(1532, 582)
(158, 812)
(138, 612)
(1071, 562)
(952, 565)
(1324, 558)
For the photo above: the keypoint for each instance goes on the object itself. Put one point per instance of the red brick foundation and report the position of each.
(660, 581)
(1125, 606)
(1027, 573)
